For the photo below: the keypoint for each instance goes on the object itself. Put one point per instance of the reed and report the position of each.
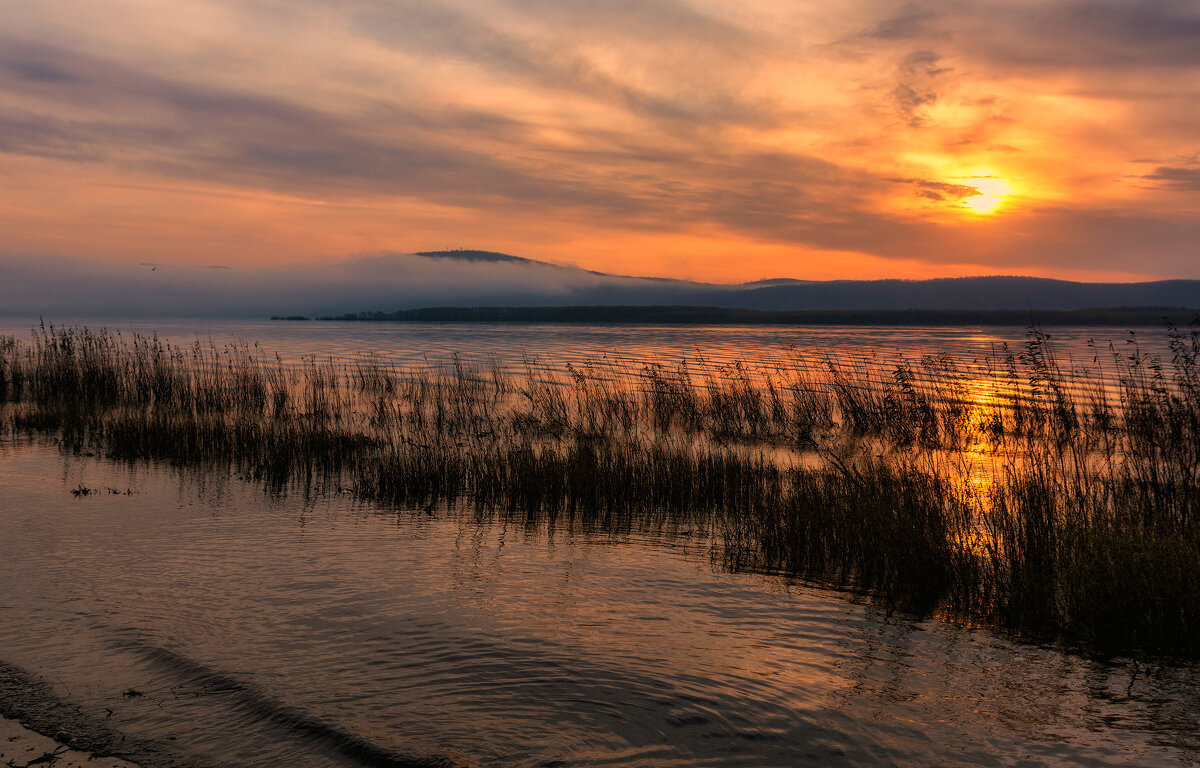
(1055, 505)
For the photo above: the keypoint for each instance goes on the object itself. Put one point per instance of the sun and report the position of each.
(992, 191)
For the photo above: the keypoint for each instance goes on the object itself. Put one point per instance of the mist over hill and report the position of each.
(64, 287)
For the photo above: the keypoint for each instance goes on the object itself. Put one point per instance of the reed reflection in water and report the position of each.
(277, 630)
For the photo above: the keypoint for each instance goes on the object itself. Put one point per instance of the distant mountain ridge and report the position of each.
(965, 293)
(992, 293)
(387, 282)
(466, 254)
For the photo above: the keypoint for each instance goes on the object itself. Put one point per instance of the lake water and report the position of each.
(284, 630)
(557, 344)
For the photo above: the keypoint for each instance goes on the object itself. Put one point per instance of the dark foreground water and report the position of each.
(282, 632)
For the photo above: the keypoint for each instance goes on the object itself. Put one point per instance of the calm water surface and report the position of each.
(555, 345)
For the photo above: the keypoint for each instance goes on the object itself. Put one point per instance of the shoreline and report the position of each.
(30, 711)
(21, 746)
(700, 316)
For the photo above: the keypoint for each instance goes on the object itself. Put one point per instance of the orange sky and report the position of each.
(721, 141)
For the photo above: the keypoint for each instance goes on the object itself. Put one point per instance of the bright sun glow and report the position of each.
(992, 192)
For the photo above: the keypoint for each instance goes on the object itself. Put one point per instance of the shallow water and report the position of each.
(280, 631)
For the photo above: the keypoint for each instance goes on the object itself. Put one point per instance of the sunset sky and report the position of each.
(721, 140)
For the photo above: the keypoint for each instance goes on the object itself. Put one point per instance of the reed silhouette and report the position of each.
(1050, 504)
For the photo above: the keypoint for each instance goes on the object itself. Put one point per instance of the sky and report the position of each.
(715, 140)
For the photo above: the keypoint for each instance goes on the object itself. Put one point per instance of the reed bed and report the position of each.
(1056, 505)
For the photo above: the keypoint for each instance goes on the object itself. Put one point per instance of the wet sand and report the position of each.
(20, 747)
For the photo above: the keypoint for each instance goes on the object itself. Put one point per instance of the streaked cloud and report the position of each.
(1185, 179)
(693, 138)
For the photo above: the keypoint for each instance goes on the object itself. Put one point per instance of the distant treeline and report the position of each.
(651, 315)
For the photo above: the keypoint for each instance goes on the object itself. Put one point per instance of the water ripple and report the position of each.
(267, 631)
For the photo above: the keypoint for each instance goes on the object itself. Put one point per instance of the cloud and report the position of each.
(219, 134)
(1176, 179)
(911, 22)
(940, 190)
(837, 129)
(915, 87)
(1058, 34)
(549, 55)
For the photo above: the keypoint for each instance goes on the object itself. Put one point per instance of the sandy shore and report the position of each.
(20, 747)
